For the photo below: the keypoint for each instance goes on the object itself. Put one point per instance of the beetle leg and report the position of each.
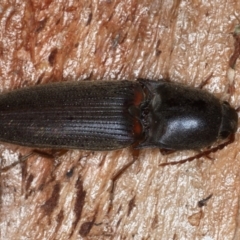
(202, 154)
(118, 174)
(205, 82)
(166, 151)
(54, 153)
(12, 165)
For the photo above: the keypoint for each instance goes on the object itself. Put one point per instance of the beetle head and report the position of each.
(229, 122)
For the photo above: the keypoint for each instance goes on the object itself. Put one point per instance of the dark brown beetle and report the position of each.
(116, 114)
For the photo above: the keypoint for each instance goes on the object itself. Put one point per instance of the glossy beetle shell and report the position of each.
(111, 115)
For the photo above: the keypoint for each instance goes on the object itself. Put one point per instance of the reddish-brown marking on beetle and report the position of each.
(137, 128)
(138, 97)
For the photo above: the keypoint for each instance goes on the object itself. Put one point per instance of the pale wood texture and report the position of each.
(68, 197)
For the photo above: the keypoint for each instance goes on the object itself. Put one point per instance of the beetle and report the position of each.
(111, 115)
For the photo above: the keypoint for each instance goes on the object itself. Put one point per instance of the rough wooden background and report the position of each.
(68, 197)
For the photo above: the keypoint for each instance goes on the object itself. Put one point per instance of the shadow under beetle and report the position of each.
(111, 115)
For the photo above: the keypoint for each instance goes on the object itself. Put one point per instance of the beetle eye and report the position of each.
(224, 134)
